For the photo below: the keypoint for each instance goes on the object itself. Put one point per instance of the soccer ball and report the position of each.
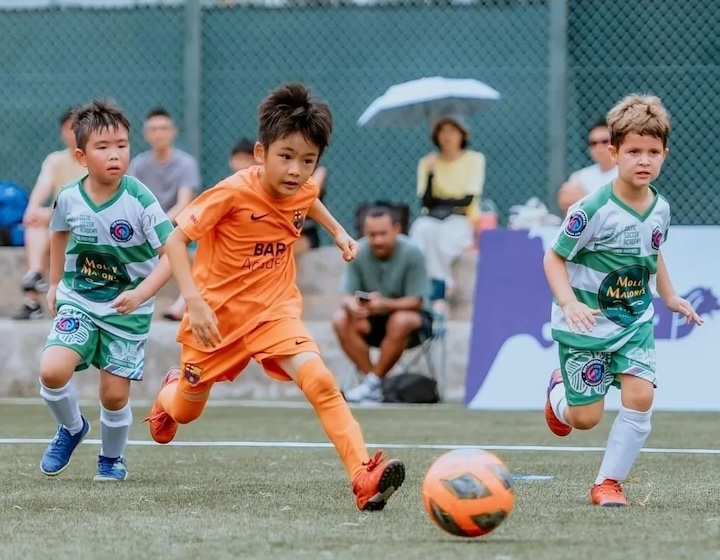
(468, 492)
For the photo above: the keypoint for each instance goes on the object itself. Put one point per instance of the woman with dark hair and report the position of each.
(449, 183)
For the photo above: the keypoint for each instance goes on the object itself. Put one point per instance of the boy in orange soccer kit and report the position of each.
(242, 300)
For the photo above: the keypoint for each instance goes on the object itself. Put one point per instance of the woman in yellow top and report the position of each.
(450, 184)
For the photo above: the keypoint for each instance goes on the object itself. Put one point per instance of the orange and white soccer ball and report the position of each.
(468, 492)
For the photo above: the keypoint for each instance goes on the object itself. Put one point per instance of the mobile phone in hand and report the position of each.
(363, 297)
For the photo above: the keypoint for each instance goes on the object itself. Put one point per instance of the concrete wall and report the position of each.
(318, 277)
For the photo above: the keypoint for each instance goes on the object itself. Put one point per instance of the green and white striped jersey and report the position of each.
(112, 248)
(612, 253)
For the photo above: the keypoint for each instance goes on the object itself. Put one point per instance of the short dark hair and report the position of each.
(291, 109)
(381, 210)
(157, 112)
(243, 146)
(97, 115)
(443, 121)
(600, 123)
(68, 114)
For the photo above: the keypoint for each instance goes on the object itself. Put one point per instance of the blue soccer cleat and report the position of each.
(111, 470)
(57, 455)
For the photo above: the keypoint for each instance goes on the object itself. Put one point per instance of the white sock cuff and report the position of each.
(635, 415)
(116, 418)
(374, 379)
(640, 421)
(56, 394)
(557, 396)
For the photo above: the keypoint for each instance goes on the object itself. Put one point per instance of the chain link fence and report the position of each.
(61, 52)
(668, 48)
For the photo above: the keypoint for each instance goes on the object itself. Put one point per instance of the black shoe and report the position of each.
(28, 311)
(34, 282)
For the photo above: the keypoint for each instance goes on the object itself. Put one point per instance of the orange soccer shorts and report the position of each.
(269, 341)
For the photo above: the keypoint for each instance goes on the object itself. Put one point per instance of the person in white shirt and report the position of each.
(58, 169)
(589, 179)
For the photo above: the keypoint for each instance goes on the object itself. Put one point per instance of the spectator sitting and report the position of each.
(242, 156)
(590, 179)
(58, 169)
(383, 304)
(450, 184)
(171, 174)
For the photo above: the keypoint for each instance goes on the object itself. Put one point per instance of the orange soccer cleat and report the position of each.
(556, 427)
(608, 493)
(162, 425)
(380, 479)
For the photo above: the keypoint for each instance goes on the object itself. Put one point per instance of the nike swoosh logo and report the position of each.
(255, 218)
(299, 342)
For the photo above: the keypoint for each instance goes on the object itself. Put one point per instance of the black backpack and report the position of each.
(410, 388)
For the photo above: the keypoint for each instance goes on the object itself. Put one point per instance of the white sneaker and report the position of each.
(368, 391)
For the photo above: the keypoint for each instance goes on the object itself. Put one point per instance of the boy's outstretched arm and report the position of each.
(343, 240)
(203, 322)
(579, 316)
(666, 291)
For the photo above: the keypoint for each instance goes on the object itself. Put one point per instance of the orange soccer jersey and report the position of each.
(244, 265)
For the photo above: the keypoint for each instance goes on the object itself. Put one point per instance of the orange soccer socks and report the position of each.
(318, 385)
(172, 407)
(374, 480)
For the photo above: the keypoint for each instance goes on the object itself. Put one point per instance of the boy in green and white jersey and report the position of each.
(108, 231)
(603, 269)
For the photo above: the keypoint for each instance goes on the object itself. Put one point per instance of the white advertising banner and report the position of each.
(512, 352)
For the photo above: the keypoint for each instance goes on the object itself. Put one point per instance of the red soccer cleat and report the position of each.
(162, 426)
(608, 493)
(380, 479)
(556, 426)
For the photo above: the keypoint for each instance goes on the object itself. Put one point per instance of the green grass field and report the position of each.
(279, 501)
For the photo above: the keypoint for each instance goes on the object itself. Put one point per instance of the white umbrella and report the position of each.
(420, 101)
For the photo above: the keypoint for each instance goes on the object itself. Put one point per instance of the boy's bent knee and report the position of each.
(112, 401)
(636, 393)
(341, 321)
(54, 376)
(317, 382)
(585, 417)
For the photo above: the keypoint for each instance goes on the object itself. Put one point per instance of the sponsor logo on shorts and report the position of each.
(192, 374)
(125, 354)
(67, 325)
(70, 329)
(593, 372)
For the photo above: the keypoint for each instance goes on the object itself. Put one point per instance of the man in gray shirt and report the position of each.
(172, 175)
(384, 303)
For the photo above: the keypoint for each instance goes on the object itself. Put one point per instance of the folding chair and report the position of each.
(432, 350)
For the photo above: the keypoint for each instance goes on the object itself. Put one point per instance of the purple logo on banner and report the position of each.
(512, 297)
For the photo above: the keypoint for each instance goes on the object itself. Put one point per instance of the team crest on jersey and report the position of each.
(298, 219)
(192, 374)
(656, 239)
(121, 231)
(576, 223)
